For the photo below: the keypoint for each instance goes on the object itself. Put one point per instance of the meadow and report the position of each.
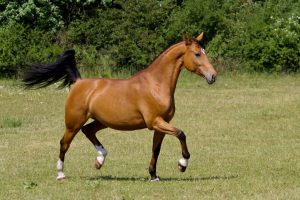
(243, 134)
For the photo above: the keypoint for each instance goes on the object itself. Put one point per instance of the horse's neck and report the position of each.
(166, 68)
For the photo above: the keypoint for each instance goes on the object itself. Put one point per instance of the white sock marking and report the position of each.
(60, 168)
(60, 176)
(183, 162)
(102, 154)
(154, 180)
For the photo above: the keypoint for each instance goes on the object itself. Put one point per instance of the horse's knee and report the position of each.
(63, 150)
(66, 141)
(181, 136)
(64, 144)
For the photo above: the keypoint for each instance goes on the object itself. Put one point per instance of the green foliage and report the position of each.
(130, 35)
(29, 185)
(45, 14)
(20, 46)
(118, 35)
(194, 17)
(263, 36)
(42, 14)
(10, 123)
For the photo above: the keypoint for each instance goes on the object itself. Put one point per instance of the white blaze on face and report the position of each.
(203, 51)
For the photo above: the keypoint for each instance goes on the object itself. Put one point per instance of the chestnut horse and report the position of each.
(146, 100)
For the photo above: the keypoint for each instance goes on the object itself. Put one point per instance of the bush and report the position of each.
(130, 34)
(264, 37)
(194, 17)
(45, 15)
(243, 35)
(113, 35)
(21, 46)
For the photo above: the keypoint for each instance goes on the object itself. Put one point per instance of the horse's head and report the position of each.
(196, 60)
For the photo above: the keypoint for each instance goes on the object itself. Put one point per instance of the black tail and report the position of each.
(44, 75)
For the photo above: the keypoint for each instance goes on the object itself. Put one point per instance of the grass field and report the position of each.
(243, 134)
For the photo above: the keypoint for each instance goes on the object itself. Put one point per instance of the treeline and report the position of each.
(113, 35)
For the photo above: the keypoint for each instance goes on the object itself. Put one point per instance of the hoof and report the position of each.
(97, 164)
(181, 168)
(61, 176)
(154, 179)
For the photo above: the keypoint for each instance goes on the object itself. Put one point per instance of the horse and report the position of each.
(145, 100)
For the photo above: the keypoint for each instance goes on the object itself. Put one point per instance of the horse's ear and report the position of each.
(201, 40)
(187, 39)
(200, 37)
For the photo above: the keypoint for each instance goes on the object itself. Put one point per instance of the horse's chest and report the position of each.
(158, 102)
(169, 113)
(166, 108)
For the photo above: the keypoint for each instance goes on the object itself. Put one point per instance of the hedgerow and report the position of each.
(255, 35)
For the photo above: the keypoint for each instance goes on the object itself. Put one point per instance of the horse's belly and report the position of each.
(119, 118)
(121, 123)
(125, 125)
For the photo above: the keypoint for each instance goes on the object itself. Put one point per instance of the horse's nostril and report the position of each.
(213, 77)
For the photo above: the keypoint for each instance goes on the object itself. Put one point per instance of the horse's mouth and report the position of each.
(212, 80)
(209, 78)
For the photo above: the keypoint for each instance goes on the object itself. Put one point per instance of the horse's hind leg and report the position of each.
(90, 131)
(74, 121)
(64, 146)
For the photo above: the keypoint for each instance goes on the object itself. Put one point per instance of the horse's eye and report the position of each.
(197, 54)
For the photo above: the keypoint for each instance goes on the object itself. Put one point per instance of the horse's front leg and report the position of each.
(162, 126)
(183, 162)
(157, 140)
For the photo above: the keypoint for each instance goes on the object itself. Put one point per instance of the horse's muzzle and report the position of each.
(210, 78)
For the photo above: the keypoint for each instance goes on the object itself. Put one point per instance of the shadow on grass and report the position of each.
(145, 179)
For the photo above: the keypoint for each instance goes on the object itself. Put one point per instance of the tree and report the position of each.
(45, 14)
(130, 35)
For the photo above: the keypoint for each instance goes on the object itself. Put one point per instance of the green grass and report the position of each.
(243, 134)
(10, 123)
